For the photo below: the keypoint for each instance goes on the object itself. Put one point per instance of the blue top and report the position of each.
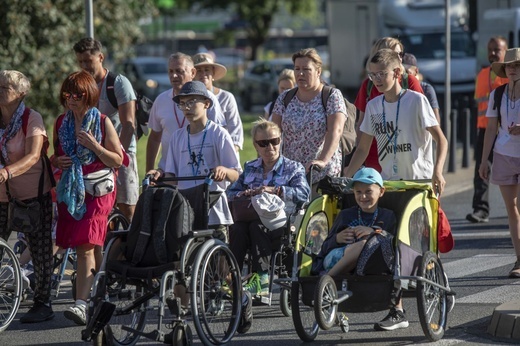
(286, 173)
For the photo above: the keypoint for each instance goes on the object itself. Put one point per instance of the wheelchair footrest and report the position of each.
(102, 314)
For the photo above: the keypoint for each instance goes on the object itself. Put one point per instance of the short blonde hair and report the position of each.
(387, 57)
(263, 124)
(287, 74)
(310, 53)
(17, 80)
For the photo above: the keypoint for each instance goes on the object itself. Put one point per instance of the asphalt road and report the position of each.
(477, 268)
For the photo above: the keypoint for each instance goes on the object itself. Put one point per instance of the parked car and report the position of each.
(259, 84)
(148, 75)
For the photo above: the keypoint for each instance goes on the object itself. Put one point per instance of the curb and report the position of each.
(505, 322)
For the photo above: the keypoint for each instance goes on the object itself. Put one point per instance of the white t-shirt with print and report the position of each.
(166, 116)
(413, 147)
(217, 150)
(505, 143)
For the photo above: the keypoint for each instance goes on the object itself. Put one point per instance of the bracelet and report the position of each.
(102, 152)
(9, 174)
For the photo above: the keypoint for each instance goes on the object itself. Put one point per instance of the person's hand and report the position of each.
(219, 173)
(514, 129)
(362, 232)
(3, 176)
(154, 174)
(438, 183)
(87, 140)
(62, 162)
(346, 236)
(483, 170)
(262, 189)
(318, 163)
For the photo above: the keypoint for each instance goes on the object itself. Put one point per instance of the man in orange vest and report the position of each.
(486, 81)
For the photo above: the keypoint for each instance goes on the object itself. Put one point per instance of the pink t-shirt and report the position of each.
(25, 186)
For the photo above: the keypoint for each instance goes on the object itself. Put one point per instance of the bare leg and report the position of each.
(510, 196)
(348, 262)
(127, 210)
(86, 261)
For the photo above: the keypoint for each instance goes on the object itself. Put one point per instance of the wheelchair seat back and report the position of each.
(161, 225)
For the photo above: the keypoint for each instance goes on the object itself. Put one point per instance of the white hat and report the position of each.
(205, 59)
(270, 209)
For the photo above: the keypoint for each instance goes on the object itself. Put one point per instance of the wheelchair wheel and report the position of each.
(303, 315)
(324, 308)
(126, 314)
(431, 300)
(182, 335)
(117, 221)
(215, 293)
(285, 302)
(10, 285)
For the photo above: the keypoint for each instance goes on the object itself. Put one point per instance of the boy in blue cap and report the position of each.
(347, 237)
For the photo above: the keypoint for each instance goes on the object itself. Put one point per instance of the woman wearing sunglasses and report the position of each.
(270, 173)
(24, 177)
(87, 149)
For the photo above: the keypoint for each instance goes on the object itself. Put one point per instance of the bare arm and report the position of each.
(152, 148)
(335, 124)
(489, 138)
(442, 151)
(361, 153)
(33, 149)
(111, 154)
(127, 118)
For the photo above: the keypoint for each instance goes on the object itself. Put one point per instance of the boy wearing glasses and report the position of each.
(200, 147)
(403, 124)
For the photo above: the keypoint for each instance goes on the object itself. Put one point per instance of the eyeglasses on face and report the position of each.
(377, 75)
(189, 104)
(264, 143)
(75, 97)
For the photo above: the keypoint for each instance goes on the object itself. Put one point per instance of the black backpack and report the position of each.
(160, 227)
(499, 92)
(348, 138)
(143, 105)
(377, 256)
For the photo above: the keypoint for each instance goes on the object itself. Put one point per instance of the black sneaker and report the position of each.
(478, 216)
(394, 320)
(38, 313)
(246, 318)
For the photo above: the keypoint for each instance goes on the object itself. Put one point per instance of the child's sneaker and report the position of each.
(77, 314)
(253, 284)
(264, 284)
(395, 319)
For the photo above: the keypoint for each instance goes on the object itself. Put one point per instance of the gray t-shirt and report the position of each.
(124, 93)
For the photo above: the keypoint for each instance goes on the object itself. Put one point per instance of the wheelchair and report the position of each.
(124, 295)
(323, 301)
(11, 288)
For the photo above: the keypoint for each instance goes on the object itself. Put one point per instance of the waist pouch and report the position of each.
(99, 183)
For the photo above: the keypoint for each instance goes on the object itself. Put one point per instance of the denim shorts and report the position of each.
(333, 257)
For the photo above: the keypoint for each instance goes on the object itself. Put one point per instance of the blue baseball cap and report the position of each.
(367, 175)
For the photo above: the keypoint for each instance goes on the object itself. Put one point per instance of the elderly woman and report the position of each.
(22, 138)
(311, 133)
(86, 144)
(274, 174)
(207, 72)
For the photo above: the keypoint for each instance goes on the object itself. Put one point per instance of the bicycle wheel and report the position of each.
(303, 315)
(324, 308)
(216, 293)
(431, 300)
(117, 221)
(10, 285)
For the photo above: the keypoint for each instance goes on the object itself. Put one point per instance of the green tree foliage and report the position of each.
(36, 38)
(257, 13)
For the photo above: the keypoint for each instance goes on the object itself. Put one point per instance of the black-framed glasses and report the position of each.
(189, 104)
(377, 75)
(75, 97)
(264, 143)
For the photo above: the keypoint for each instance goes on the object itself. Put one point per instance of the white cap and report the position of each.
(270, 209)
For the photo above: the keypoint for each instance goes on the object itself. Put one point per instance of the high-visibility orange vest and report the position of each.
(486, 82)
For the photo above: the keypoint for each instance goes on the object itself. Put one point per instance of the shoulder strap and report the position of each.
(405, 81)
(289, 96)
(25, 120)
(111, 93)
(497, 99)
(271, 107)
(325, 94)
(370, 85)
(146, 226)
(159, 233)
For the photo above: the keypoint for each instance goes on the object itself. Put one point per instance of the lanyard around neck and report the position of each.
(196, 159)
(179, 124)
(360, 219)
(395, 129)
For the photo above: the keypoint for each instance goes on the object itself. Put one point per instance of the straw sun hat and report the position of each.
(205, 59)
(512, 55)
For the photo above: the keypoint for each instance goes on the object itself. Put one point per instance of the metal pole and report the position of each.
(89, 18)
(447, 78)
(453, 142)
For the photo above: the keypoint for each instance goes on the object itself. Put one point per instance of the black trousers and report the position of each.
(260, 242)
(480, 186)
(40, 246)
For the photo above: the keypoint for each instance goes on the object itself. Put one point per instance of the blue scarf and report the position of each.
(71, 188)
(11, 130)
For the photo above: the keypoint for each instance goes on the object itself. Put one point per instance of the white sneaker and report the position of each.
(25, 278)
(77, 314)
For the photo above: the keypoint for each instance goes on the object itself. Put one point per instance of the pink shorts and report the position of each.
(505, 170)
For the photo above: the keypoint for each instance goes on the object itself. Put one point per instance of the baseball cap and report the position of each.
(270, 209)
(367, 175)
(193, 88)
(409, 59)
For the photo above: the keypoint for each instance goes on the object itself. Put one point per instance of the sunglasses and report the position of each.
(264, 143)
(75, 97)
